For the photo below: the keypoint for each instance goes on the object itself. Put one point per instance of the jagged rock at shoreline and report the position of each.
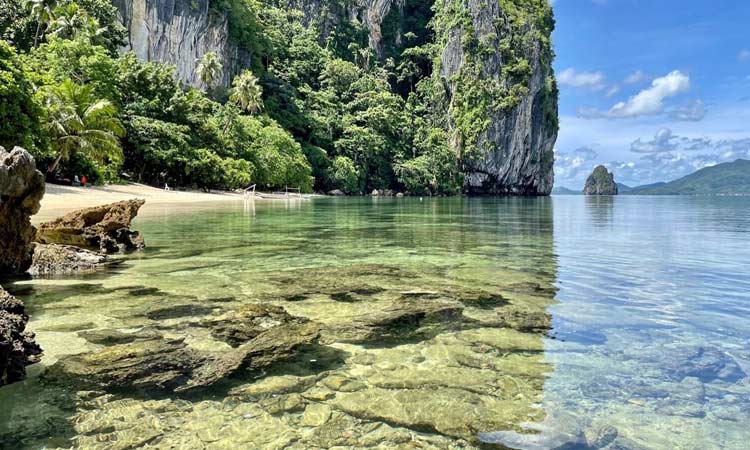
(53, 259)
(17, 346)
(600, 182)
(152, 361)
(21, 189)
(103, 228)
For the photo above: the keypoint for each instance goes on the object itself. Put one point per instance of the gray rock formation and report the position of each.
(21, 189)
(600, 182)
(104, 228)
(52, 259)
(17, 346)
(514, 152)
(180, 32)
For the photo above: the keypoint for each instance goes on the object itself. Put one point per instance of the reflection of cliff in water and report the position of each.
(432, 317)
(600, 209)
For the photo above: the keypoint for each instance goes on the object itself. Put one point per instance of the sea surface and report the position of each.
(567, 322)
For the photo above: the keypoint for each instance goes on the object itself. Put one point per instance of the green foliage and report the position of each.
(19, 113)
(77, 121)
(319, 110)
(345, 176)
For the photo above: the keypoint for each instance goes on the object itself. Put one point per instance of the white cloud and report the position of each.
(743, 55)
(693, 111)
(613, 90)
(651, 101)
(666, 141)
(594, 81)
(635, 77)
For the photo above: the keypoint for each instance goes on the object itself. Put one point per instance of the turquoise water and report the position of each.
(582, 323)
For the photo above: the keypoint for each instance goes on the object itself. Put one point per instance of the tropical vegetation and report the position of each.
(316, 110)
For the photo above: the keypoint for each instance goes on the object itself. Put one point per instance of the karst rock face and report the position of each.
(21, 190)
(104, 228)
(493, 67)
(600, 182)
(179, 33)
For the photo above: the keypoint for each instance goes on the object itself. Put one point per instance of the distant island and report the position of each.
(732, 178)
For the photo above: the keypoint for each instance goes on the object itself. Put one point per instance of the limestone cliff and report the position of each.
(180, 32)
(494, 64)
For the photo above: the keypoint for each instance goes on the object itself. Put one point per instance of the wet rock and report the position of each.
(600, 435)
(707, 364)
(103, 228)
(316, 414)
(154, 362)
(397, 321)
(451, 412)
(17, 346)
(21, 189)
(336, 193)
(600, 182)
(143, 364)
(271, 386)
(53, 259)
(114, 337)
(249, 321)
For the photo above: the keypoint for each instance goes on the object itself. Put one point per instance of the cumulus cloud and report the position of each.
(693, 111)
(666, 141)
(573, 165)
(651, 100)
(594, 81)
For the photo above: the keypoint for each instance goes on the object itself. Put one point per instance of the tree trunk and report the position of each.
(54, 165)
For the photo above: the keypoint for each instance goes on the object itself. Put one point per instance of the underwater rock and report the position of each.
(17, 346)
(249, 321)
(53, 259)
(707, 364)
(21, 189)
(153, 362)
(396, 321)
(600, 182)
(103, 228)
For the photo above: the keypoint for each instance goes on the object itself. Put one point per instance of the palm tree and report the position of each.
(209, 69)
(247, 93)
(43, 12)
(77, 121)
(71, 21)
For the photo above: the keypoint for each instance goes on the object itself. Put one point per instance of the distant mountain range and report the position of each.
(731, 178)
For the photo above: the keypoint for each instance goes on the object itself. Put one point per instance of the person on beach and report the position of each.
(84, 181)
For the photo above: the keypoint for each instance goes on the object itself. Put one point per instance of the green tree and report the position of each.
(209, 69)
(19, 113)
(43, 13)
(247, 93)
(78, 122)
(345, 176)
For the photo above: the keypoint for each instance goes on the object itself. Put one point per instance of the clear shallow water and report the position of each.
(647, 299)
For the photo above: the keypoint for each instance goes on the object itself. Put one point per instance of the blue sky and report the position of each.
(653, 89)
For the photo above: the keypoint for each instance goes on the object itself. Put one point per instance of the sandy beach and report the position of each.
(59, 200)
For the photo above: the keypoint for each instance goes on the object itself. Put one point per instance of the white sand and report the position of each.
(59, 200)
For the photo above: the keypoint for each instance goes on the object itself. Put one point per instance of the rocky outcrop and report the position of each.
(180, 32)
(103, 228)
(17, 346)
(600, 182)
(502, 96)
(21, 189)
(53, 259)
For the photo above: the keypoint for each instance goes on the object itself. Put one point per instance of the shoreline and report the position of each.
(59, 200)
